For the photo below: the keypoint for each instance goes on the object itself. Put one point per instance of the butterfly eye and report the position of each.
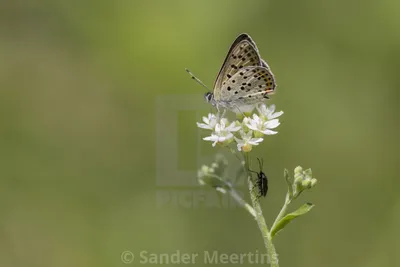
(208, 96)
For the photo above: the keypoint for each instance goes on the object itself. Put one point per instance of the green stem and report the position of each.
(225, 187)
(242, 203)
(233, 151)
(282, 212)
(272, 256)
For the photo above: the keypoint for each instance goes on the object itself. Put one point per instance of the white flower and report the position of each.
(258, 124)
(231, 128)
(222, 133)
(209, 122)
(247, 141)
(268, 112)
(218, 138)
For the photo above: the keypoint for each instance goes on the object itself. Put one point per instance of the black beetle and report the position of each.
(262, 180)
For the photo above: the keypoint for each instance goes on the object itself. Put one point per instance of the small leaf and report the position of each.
(289, 183)
(290, 217)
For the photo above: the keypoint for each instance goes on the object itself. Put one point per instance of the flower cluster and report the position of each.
(246, 133)
(303, 180)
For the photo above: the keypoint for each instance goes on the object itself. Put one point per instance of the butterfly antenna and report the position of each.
(197, 79)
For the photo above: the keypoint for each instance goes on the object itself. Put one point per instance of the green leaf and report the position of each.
(290, 217)
(289, 183)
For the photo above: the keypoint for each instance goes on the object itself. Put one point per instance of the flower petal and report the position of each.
(239, 147)
(271, 124)
(248, 135)
(271, 108)
(233, 127)
(275, 115)
(256, 118)
(252, 127)
(211, 138)
(204, 126)
(262, 108)
(255, 141)
(269, 132)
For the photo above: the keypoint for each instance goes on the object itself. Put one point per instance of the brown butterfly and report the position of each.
(244, 79)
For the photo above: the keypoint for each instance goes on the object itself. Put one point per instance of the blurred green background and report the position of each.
(80, 86)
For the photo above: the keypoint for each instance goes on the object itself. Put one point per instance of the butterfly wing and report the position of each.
(264, 64)
(248, 86)
(242, 53)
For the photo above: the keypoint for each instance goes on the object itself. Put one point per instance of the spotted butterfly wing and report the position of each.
(248, 86)
(237, 55)
(243, 57)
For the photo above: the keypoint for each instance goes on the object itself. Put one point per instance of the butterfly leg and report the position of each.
(219, 116)
(237, 107)
(223, 113)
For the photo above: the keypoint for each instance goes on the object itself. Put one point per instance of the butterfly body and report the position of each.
(244, 79)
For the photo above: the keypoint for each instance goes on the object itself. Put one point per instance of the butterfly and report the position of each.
(262, 180)
(244, 79)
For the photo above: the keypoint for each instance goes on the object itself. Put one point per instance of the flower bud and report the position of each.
(298, 170)
(306, 183)
(302, 180)
(308, 173)
(203, 171)
(298, 179)
(313, 182)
